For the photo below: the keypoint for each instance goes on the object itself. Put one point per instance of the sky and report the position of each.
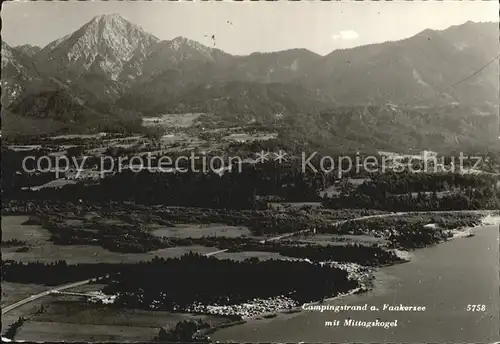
(245, 27)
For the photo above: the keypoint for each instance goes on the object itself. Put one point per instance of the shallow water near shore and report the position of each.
(444, 278)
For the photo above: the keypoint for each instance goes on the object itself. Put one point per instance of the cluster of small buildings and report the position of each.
(93, 296)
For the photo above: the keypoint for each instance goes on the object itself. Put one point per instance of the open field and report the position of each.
(57, 331)
(76, 254)
(179, 142)
(183, 120)
(79, 312)
(67, 318)
(14, 229)
(41, 249)
(23, 311)
(13, 292)
(76, 136)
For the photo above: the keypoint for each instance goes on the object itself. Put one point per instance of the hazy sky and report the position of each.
(263, 26)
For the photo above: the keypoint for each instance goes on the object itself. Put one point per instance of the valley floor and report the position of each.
(67, 317)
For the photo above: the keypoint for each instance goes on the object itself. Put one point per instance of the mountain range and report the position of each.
(114, 68)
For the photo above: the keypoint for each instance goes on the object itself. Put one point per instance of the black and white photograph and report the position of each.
(250, 171)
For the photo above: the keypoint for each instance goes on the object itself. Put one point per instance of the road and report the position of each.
(42, 294)
(215, 252)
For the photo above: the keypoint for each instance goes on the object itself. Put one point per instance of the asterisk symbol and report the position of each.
(262, 156)
(280, 156)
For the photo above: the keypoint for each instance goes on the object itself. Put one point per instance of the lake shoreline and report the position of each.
(364, 275)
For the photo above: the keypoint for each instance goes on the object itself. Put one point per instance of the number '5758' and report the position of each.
(475, 308)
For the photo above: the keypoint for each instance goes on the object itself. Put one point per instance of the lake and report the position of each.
(443, 278)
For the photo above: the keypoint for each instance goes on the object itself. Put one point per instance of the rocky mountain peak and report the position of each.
(102, 45)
